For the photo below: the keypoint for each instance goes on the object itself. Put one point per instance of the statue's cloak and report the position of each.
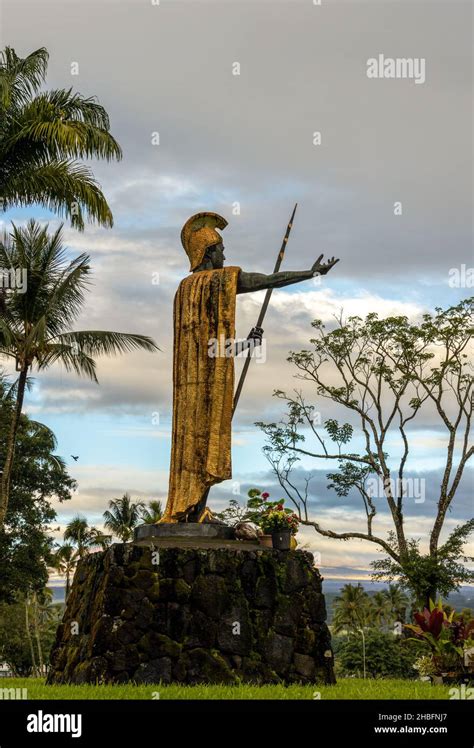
(203, 388)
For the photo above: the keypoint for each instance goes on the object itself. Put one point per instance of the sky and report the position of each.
(196, 136)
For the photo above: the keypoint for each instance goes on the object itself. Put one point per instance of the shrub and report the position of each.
(387, 655)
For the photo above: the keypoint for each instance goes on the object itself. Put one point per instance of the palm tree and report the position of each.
(35, 324)
(64, 560)
(36, 629)
(152, 513)
(352, 611)
(39, 611)
(398, 601)
(97, 537)
(42, 135)
(80, 539)
(79, 533)
(380, 609)
(47, 608)
(351, 608)
(122, 516)
(27, 603)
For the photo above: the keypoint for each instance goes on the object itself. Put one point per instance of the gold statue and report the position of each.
(203, 385)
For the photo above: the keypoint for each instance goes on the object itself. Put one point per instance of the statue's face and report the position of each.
(216, 255)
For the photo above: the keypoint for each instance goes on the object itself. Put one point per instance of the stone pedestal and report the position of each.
(194, 615)
(178, 531)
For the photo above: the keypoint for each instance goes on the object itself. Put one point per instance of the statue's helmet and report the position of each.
(199, 233)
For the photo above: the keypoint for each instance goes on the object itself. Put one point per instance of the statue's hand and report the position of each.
(322, 268)
(255, 334)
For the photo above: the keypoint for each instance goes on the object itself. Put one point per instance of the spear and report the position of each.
(263, 310)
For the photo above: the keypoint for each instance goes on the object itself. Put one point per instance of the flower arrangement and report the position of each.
(270, 516)
(277, 519)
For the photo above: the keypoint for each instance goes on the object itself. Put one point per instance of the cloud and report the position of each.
(249, 138)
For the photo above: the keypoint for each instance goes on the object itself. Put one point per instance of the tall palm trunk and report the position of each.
(37, 633)
(7, 468)
(28, 634)
(68, 581)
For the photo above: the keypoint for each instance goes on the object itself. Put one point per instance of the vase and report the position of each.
(281, 540)
(266, 541)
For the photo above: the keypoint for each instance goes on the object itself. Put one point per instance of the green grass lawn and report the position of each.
(346, 688)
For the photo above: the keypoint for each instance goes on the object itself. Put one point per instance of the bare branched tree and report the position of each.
(385, 372)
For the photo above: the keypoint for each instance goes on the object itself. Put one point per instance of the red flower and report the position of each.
(265, 495)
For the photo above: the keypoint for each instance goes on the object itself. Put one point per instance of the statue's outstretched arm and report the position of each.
(249, 282)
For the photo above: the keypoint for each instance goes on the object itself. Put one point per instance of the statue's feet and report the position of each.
(207, 516)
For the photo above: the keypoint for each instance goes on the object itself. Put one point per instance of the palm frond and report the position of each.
(43, 430)
(64, 187)
(66, 125)
(20, 78)
(72, 359)
(106, 343)
(41, 135)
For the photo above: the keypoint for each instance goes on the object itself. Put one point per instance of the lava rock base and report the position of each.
(181, 615)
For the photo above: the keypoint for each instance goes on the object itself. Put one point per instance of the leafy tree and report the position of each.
(15, 642)
(27, 631)
(39, 476)
(122, 516)
(42, 134)
(385, 372)
(234, 513)
(427, 575)
(35, 326)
